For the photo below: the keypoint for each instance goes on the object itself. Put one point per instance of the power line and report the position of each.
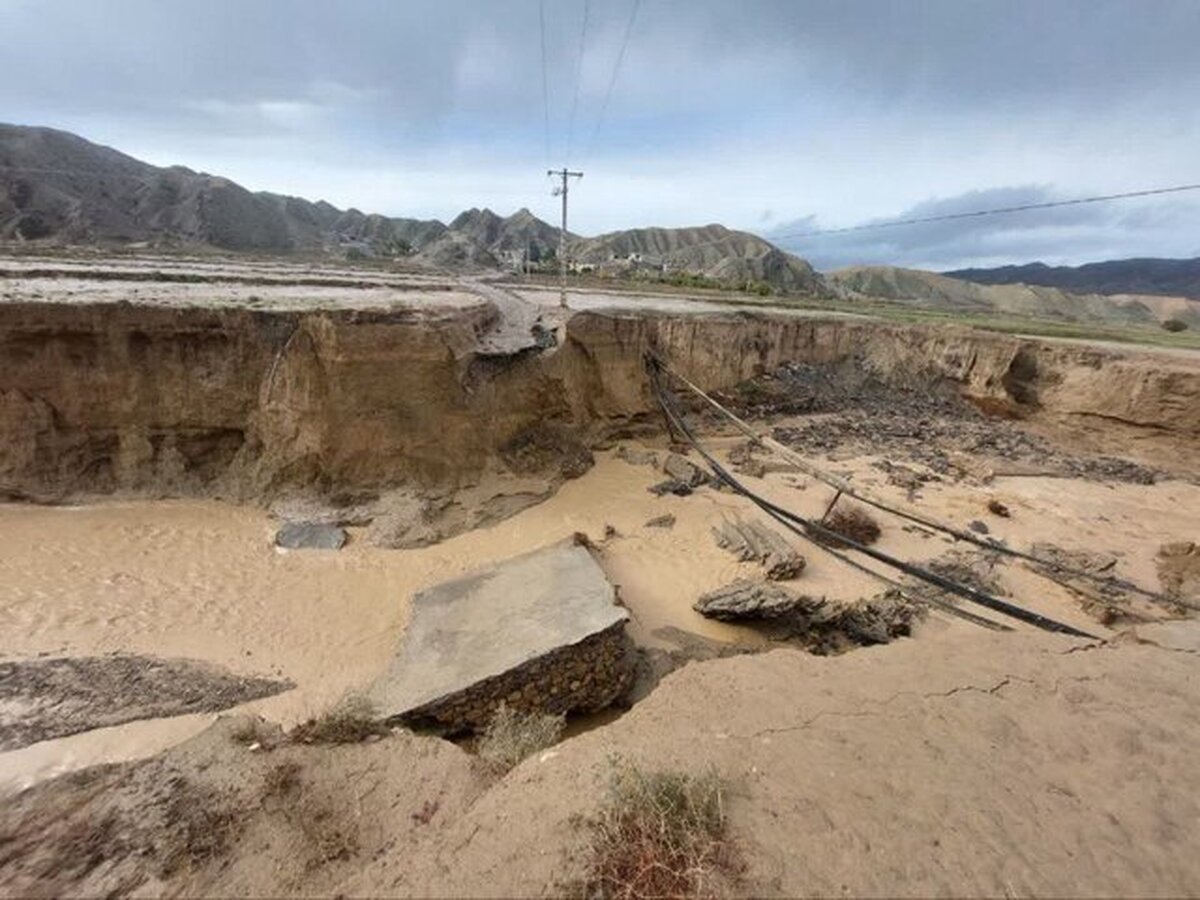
(612, 81)
(578, 78)
(545, 80)
(985, 212)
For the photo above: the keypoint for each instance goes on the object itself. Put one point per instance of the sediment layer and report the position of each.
(253, 404)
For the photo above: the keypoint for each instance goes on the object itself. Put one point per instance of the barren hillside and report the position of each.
(1114, 276)
(57, 188)
(930, 290)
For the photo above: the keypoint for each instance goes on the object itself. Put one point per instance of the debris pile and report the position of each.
(753, 541)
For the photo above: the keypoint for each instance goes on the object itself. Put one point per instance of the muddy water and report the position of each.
(203, 580)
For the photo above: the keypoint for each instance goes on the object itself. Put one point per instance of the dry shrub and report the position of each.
(352, 720)
(282, 779)
(660, 834)
(84, 845)
(512, 735)
(201, 824)
(851, 522)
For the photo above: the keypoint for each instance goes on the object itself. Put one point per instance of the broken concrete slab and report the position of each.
(310, 536)
(541, 631)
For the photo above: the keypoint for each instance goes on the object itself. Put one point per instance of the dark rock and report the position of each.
(310, 536)
(667, 521)
(637, 456)
(747, 600)
(684, 471)
(670, 486)
(978, 527)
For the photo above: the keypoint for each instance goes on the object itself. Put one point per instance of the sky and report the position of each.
(780, 117)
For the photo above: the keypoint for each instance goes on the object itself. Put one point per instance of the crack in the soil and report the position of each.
(881, 705)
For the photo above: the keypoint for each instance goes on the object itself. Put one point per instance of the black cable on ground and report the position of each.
(957, 534)
(807, 528)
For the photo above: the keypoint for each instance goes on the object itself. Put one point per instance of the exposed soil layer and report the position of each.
(49, 698)
(263, 404)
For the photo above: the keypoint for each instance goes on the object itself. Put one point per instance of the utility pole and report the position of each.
(561, 190)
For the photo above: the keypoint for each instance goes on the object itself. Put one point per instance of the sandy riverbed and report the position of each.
(202, 580)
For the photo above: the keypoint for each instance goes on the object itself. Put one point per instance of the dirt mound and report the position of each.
(807, 746)
(223, 815)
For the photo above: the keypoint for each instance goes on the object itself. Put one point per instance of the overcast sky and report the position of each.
(775, 117)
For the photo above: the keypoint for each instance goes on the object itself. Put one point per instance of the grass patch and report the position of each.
(851, 522)
(660, 834)
(352, 720)
(512, 735)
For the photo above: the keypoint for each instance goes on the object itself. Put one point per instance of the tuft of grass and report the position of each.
(282, 780)
(660, 834)
(851, 522)
(350, 721)
(513, 735)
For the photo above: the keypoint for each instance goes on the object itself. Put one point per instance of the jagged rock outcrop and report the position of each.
(744, 599)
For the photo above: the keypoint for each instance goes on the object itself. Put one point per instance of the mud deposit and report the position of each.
(170, 441)
(51, 698)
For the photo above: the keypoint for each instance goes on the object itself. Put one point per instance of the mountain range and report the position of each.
(930, 290)
(1177, 277)
(58, 188)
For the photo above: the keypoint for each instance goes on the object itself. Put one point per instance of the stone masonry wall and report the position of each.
(583, 677)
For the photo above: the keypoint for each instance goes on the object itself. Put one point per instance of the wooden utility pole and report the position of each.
(561, 190)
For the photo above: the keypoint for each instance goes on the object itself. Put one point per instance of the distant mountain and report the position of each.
(732, 257)
(1171, 277)
(58, 188)
(932, 291)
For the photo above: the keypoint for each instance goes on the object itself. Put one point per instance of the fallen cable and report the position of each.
(806, 528)
(912, 516)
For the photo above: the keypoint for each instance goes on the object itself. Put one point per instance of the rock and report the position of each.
(637, 456)
(752, 541)
(670, 486)
(310, 536)
(1179, 569)
(996, 508)
(747, 600)
(684, 471)
(665, 521)
(978, 527)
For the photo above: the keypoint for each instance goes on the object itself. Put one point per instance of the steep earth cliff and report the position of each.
(104, 397)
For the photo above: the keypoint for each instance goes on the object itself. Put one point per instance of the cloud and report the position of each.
(1058, 236)
(845, 111)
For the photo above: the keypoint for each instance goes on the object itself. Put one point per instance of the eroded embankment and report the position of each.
(99, 398)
